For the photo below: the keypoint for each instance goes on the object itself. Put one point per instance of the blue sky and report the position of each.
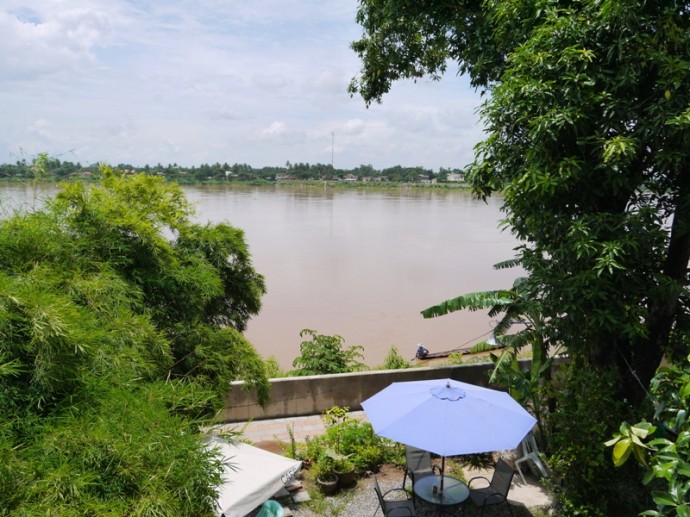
(261, 82)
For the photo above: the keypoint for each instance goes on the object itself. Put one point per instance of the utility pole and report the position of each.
(332, 146)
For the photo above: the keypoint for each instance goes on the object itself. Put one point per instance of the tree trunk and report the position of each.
(663, 308)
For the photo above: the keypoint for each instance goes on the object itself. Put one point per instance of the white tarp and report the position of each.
(253, 476)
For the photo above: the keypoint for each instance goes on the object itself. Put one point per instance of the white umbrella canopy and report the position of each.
(448, 417)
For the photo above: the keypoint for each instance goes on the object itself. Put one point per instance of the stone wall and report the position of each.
(297, 396)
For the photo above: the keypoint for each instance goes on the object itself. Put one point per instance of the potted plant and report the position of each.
(345, 470)
(324, 474)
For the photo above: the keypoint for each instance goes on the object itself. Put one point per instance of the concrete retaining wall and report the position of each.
(298, 396)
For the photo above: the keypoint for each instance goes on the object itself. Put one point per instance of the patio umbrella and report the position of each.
(448, 418)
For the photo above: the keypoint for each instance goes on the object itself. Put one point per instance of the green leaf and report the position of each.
(683, 510)
(643, 429)
(683, 469)
(621, 451)
(472, 301)
(612, 441)
(639, 454)
(663, 498)
(685, 390)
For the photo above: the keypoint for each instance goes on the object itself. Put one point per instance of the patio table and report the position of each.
(455, 492)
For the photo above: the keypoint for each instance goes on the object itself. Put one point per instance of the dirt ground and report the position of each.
(525, 500)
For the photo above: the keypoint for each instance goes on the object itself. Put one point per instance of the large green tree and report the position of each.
(587, 117)
(588, 132)
(120, 330)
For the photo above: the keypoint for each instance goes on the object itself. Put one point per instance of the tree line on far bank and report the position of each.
(52, 168)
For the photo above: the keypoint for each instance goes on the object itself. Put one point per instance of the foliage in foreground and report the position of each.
(120, 326)
(662, 446)
(587, 409)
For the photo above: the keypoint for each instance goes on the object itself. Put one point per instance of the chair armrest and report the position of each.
(396, 490)
(478, 477)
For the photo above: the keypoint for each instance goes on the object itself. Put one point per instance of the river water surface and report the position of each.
(359, 263)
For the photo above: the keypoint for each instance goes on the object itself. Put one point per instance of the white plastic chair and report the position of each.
(529, 450)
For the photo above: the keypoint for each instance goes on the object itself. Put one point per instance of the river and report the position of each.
(361, 263)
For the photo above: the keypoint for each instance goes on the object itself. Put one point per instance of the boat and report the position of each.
(422, 354)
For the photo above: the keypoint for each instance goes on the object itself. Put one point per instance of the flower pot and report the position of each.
(327, 486)
(346, 479)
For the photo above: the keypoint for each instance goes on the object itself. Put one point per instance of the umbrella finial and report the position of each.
(448, 392)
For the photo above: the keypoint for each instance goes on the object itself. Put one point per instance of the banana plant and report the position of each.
(511, 307)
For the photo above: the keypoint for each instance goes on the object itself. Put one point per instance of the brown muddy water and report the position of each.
(361, 263)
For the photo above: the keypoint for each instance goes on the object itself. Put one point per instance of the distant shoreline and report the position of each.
(381, 185)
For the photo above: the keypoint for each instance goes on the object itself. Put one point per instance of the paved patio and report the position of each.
(259, 431)
(268, 434)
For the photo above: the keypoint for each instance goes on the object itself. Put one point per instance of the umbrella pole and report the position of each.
(443, 470)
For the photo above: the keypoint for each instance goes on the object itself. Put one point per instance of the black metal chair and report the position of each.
(419, 465)
(397, 507)
(497, 490)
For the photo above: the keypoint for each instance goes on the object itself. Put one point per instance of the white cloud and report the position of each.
(354, 126)
(270, 83)
(275, 129)
(253, 81)
(31, 48)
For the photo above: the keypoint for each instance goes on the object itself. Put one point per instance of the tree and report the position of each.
(120, 330)
(588, 128)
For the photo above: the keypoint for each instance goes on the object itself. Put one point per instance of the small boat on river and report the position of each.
(422, 354)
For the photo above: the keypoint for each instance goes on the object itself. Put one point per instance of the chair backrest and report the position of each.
(418, 460)
(529, 445)
(503, 476)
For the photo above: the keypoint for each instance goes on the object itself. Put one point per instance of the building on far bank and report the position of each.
(455, 176)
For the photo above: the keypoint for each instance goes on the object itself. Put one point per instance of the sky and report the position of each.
(261, 82)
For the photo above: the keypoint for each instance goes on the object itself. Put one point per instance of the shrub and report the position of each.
(323, 355)
(589, 483)
(394, 361)
(351, 439)
(663, 449)
(273, 369)
(120, 330)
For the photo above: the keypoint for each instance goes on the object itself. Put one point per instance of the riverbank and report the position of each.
(268, 183)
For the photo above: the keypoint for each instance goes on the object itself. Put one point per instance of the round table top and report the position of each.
(454, 490)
